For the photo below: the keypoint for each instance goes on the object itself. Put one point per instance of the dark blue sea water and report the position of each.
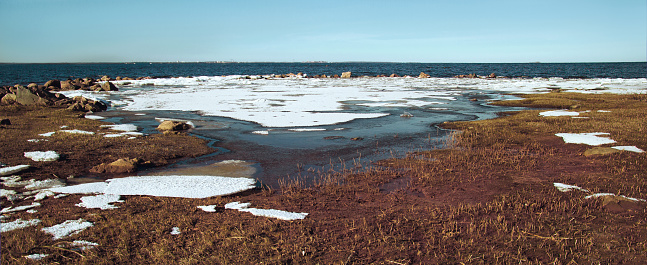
(11, 74)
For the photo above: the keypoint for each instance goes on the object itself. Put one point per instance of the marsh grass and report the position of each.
(487, 200)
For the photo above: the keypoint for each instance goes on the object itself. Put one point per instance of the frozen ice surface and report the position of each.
(11, 170)
(67, 228)
(18, 224)
(101, 201)
(41, 156)
(629, 148)
(586, 138)
(179, 186)
(557, 113)
(279, 214)
(565, 187)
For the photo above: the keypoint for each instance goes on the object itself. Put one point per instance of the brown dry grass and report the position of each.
(489, 199)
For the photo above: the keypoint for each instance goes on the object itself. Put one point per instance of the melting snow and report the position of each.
(556, 113)
(165, 186)
(42, 156)
(37, 256)
(283, 215)
(122, 127)
(629, 148)
(586, 138)
(101, 201)
(67, 228)
(77, 132)
(565, 187)
(18, 224)
(11, 209)
(11, 170)
(83, 245)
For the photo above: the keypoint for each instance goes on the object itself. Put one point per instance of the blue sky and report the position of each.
(293, 31)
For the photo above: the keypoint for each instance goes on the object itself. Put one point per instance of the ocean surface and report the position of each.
(11, 74)
(297, 128)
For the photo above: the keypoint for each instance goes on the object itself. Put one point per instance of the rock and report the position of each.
(394, 75)
(105, 78)
(5, 122)
(619, 204)
(32, 86)
(26, 97)
(492, 75)
(357, 138)
(172, 126)
(423, 75)
(8, 99)
(76, 107)
(53, 83)
(122, 165)
(68, 85)
(600, 151)
(346, 74)
(108, 86)
(333, 137)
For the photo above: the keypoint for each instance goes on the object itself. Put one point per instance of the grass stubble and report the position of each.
(488, 198)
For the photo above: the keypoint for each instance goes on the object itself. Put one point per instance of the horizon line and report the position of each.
(318, 62)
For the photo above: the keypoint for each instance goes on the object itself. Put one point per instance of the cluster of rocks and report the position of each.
(89, 84)
(492, 75)
(41, 96)
(173, 127)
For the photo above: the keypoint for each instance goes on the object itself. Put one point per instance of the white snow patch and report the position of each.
(208, 208)
(18, 224)
(307, 130)
(11, 209)
(37, 256)
(67, 228)
(179, 186)
(175, 231)
(557, 113)
(44, 184)
(165, 186)
(101, 201)
(7, 193)
(629, 148)
(132, 134)
(565, 187)
(31, 211)
(611, 194)
(121, 127)
(47, 134)
(46, 156)
(43, 194)
(283, 215)
(37, 140)
(83, 245)
(94, 117)
(75, 131)
(261, 132)
(64, 126)
(586, 138)
(604, 111)
(11, 170)
(85, 188)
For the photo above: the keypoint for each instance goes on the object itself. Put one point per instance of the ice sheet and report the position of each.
(586, 138)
